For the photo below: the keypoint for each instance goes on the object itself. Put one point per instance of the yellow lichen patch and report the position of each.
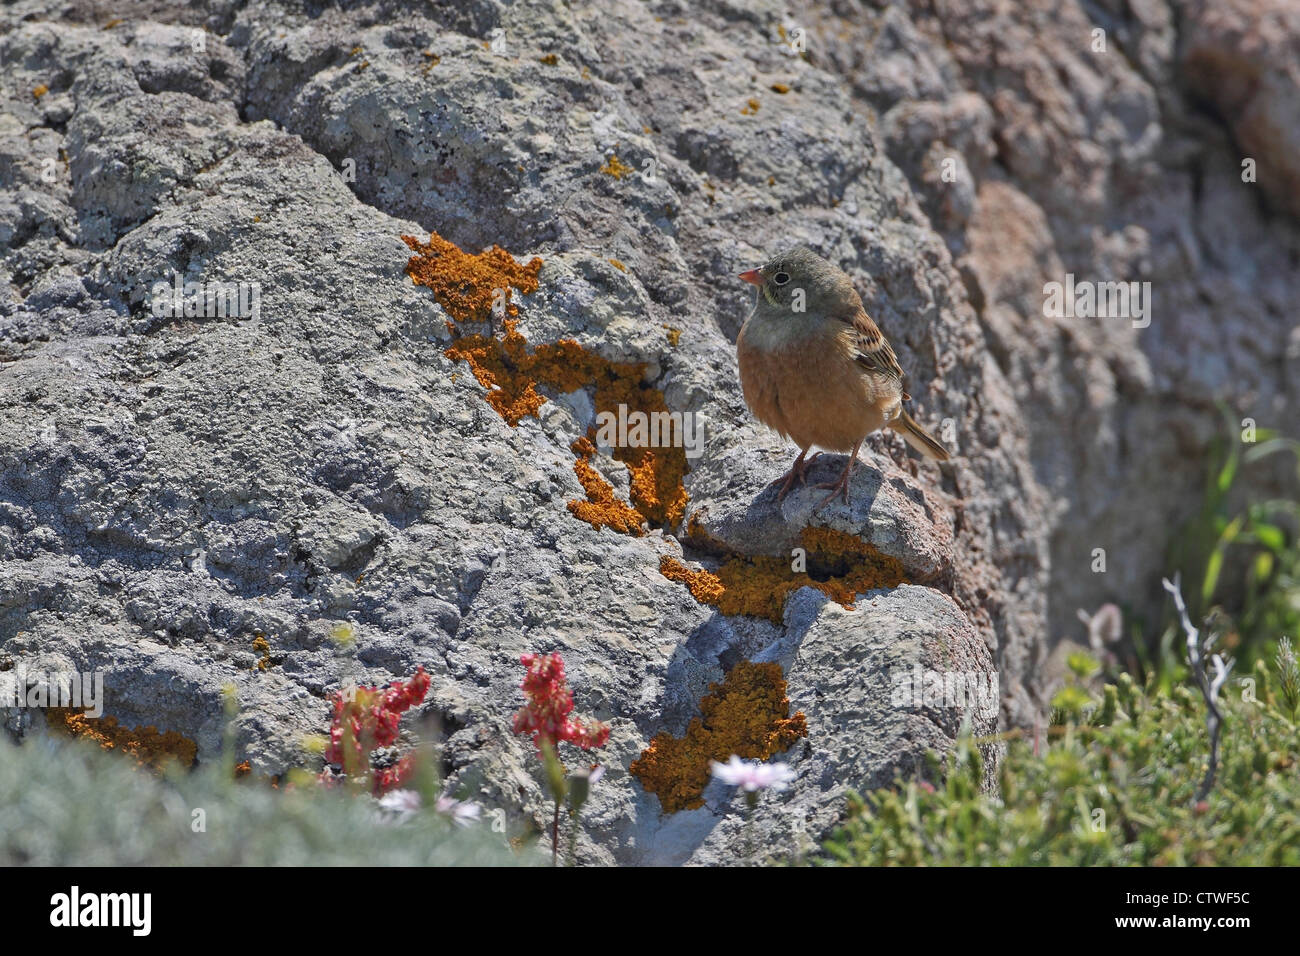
(839, 565)
(656, 488)
(40, 91)
(601, 509)
(511, 390)
(780, 88)
(616, 167)
(750, 107)
(145, 744)
(465, 285)
(674, 335)
(549, 60)
(705, 586)
(618, 265)
(748, 714)
(262, 646)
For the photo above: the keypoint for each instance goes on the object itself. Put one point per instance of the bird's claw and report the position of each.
(798, 471)
(840, 487)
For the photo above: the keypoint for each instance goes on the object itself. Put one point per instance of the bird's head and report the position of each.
(799, 280)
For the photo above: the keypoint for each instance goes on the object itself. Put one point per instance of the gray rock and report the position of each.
(171, 487)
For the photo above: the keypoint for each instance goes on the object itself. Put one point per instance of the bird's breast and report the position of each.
(800, 378)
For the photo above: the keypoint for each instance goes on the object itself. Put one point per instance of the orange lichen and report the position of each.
(674, 335)
(243, 769)
(780, 88)
(549, 60)
(40, 91)
(750, 107)
(496, 364)
(263, 647)
(748, 714)
(618, 265)
(601, 509)
(616, 167)
(465, 286)
(145, 744)
(839, 565)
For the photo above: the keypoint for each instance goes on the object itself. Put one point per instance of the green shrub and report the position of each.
(1114, 784)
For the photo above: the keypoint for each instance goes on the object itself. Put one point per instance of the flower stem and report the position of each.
(555, 836)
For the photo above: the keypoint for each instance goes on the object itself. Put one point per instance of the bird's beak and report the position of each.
(752, 276)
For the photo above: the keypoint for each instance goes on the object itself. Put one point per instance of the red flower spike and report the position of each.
(371, 718)
(545, 715)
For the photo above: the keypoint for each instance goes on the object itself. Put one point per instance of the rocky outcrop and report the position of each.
(174, 487)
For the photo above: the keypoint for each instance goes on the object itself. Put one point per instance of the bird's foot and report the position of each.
(840, 487)
(798, 472)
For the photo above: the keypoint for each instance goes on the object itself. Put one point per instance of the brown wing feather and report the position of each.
(873, 350)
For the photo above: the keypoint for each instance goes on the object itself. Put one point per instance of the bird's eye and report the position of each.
(781, 278)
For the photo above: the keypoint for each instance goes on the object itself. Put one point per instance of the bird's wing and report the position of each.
(872, 350)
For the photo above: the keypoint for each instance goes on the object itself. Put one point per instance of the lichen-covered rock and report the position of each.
(175, 487)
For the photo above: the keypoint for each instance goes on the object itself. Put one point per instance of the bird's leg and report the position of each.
(840, 487)
(798, 471)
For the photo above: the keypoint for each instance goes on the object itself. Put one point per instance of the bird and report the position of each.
(817, 369)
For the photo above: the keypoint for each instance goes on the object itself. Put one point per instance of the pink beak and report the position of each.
(752, 276)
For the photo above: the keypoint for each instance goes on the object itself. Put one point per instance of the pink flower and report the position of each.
(752, 775)
(462, 812)
(401, 802)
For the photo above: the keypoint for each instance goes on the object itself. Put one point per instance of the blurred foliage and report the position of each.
(1257, 540)
(1113, 783)
(66, 802)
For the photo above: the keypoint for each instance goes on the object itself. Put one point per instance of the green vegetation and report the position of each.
(64, 802)
(1113, 784)
(1257, 540)
(1113, 780)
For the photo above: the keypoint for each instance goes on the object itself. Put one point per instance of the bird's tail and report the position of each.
(918, 437)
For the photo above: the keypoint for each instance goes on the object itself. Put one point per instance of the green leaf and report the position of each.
(1214, 565)
(1082, 665)
(1270, 536)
